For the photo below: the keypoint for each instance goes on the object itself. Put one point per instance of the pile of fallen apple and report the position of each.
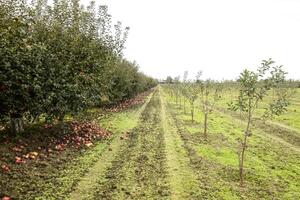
(80, 134)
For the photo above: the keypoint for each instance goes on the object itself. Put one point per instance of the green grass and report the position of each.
(139, 168)
(291, 118)
(120, 123)
(225, 156)
(181, 176)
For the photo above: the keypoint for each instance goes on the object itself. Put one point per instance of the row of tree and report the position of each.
(206, 91)
(253, 86)
(61, 58)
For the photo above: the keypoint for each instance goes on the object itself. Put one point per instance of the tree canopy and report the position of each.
(62, 58)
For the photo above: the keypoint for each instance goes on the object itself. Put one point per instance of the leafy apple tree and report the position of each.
(210, 93)
(61, 58)
(183, 90)
(255, 86)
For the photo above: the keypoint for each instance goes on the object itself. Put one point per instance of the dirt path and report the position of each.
(149, 162)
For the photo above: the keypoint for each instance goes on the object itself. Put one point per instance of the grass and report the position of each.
(120, 123)
(67, 180)
(181, 176)
(272, 165)
(225, 156)
(57, 175)
(139, 170)
(157, 152)
(291, 118)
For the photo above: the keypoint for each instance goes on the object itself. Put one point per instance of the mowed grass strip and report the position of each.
(273, 129)
(138, 171)
(183, 183)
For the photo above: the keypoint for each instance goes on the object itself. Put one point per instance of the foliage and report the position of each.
(127, 81)
(192, 92)
(62, 58)
(209, 94)
(169, 80)
(254, 87)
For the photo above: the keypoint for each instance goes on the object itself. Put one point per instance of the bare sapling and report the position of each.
(177, 89)
(192, 92)
(184, 93)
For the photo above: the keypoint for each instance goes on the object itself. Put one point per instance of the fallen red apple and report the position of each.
(19, 160)
(5, 168)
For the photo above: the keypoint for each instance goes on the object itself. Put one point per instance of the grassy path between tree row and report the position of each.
(147, 162)
(139, 170)
(181, 176)
(85, 186)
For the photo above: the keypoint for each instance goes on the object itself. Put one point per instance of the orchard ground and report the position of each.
(152, 150)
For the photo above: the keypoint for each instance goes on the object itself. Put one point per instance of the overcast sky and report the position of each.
(218, 37)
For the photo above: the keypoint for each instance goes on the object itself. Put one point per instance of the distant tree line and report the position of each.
(61, 58)
(289, 83)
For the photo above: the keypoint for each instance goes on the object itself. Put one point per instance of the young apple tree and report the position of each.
(192, 91)
(176, 88)
(183, 90)
(254, 87)
(209, 95)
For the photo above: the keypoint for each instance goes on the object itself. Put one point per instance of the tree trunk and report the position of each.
(62, 123)
(244, 145)
(184, 106)
(205, 125)
(180, 102)
(242, 156)
(17, 125)
(192, 113)
(61, 118)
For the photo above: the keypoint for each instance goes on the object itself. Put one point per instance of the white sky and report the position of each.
(218, 37)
